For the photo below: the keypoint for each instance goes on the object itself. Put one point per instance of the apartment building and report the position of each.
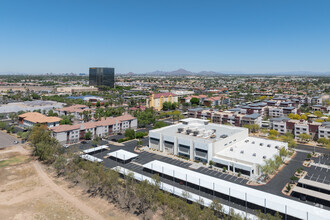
(280, 111)
(74, 110)
(231, 116)
(156, 100)
(30, 119)
(324, 130)
(226, 146)
(68, 134)
(297, 127)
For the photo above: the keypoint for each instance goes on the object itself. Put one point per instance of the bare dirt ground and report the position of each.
(29, 191)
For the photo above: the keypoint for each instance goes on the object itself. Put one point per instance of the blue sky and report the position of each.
(40, 36)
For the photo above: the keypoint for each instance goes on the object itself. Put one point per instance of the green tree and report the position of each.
(160, 124)
(2, 125)
(303, 117)
(45, 146)
(318, 114)
(305, 137)
(273, 132)
(130, 133)
(166, 106)
(140, 134)
(194, 101)
(88, 135)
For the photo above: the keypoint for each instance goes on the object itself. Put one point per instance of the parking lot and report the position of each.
(221, 175)
(318, 174)
(275, 186)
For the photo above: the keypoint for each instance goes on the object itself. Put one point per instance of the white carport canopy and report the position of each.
(180, 192)
(94, 149)
(91, 158)
(122, 155)
(277, 203)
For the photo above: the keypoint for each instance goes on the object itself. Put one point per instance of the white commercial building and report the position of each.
(226, 146)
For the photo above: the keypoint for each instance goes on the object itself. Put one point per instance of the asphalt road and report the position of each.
(311, 149)
(6, 140)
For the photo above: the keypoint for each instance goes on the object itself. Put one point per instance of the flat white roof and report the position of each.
(91, 150)
(274, 202)
(205, 130)
(122, 154)
(315, 184)
(91, 158)
(251, 149)
(312, 193)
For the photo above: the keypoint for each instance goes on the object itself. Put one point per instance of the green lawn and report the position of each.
(13, 161)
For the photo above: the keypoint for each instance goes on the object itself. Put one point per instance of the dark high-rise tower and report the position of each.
(102, 76)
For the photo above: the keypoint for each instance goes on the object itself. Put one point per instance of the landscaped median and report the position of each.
(130, 134)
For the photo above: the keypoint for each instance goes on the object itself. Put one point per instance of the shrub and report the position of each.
(123, 139)
(140, 134)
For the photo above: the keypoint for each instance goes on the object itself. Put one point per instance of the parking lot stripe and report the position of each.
(324, 179)
(241, 180)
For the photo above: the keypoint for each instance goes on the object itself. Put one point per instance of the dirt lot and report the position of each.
(28, 191)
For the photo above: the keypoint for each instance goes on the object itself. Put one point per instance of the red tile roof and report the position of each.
(165, 94)
(37, 117)
(93, 124)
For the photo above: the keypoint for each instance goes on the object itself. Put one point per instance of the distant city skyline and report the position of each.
(145, 36)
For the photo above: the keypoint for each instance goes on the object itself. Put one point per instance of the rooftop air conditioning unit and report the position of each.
(254, 154)
(224, 136)
(188, 131)
(212, 136)
(253, 142)
(231, 149)
(268, 145)
(264, 157)
(196, 133)
(242, 151)
(246, 141)
(261, 144)
(180, 130)
(276, 147)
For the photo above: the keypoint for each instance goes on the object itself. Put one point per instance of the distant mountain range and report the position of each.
(183, 72)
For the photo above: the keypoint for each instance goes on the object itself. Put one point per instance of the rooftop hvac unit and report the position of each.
(246, 141)
(253, 142)
(261, 144)
(224, 136)
(196, 133)
(254, 154)
(214, 130)
(212, 136)
(276, 147)
(231, 149)
(188, 131)
(264, 157)
(268, 145)
(180, 130)
(242, 151)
